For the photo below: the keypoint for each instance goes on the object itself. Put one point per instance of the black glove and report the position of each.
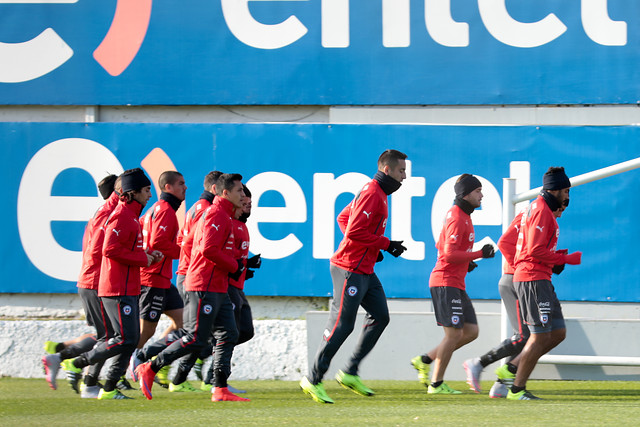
(488, 251)
(472, 266)
(249, 274)
(254, 262)
(557, 269)
(395, 248)
(380, 257)
(236, 274)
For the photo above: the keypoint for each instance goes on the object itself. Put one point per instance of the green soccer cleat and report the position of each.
(316, 391)
(111, 395)
(74, 375)
(505, 375)
(124, 384)
(442, 389)
(50, 347)
(205, 386)
(182, 387)
(422, 368)
(353, 383)
(162, 377)
(521, 395)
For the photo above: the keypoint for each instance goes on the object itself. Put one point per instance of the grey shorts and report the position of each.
(452, 306)
(539, 305)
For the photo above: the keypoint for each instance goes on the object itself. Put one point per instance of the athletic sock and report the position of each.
(426, 359)
(485, 361)
(59, 347)
(90, 381)
(512, 368)
(515, 389)
(110, 385)
(437, 384)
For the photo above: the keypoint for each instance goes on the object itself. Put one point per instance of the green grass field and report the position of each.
(26, 402)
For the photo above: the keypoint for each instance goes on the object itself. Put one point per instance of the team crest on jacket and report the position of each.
(126, 310)
(455, 319)
(352, 290)
(207, 309)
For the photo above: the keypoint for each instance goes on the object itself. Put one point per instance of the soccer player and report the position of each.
(511, 347)
(535, 258)
(119, 283)
(355, 284)
(185, 241)
(241, 307)
(208, 305)
(452, 306)
(109, 188)
(160, 231)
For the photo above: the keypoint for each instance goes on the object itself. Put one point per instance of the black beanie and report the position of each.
(134, 180)
(106, 186)
(555, 180)
(466, 186)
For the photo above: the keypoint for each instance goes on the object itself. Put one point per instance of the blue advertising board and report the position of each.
(301, 176)
(319, 52)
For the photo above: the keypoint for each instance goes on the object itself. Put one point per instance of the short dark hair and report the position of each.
(226, 181)
(211, 179)
(247, 193)
(105, 186)
(555, 169)
(463, 176)
(168, 177)
(390, 158)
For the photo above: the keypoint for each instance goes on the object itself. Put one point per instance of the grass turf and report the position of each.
(26, 402)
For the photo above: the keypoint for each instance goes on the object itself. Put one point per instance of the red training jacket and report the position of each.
(507, 244)
(92, 244)
(363, 222)
(185, 238)
(122, 253)
(536, 248)
(241, 245)
(159, 231)
(454, 246)
(212, 254)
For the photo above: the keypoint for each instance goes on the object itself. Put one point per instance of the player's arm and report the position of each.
(507, 242)
(162, 235)
(117, 244)
(214, 244)
(452, 252)
(364, 212)
(343, 218)
(539, 234)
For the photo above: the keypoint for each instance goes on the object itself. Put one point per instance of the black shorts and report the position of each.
(155, 301)
(539, 305)
(452, 306)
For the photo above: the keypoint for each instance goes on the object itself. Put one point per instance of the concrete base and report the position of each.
(412, 333)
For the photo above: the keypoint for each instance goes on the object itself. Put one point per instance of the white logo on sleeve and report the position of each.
(163, 227)
(215, 226)
(539, 228)
(117, 232)
(366, 213)
(454, 237)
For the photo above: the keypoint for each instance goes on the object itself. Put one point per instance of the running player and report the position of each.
(536, 256)
(355, 284)
(452, 306)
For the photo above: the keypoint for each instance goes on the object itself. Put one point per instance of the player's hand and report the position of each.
(472, 266)
(150, 259)
(395, 248)
(488, 251)
(380, 257)
(254, 262)
(157, 256)
(557, 269)
(236, 274)
(249, 274)
(574, 258)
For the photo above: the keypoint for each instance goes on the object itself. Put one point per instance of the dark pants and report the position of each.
(205, 312)
(242, 312)
(350, 291)
(122, 323)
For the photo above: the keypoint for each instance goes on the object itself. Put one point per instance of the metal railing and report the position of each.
(510, 199)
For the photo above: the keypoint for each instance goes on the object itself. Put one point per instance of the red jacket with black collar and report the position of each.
(159, 231)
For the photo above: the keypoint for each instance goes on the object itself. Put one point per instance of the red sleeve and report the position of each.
(163, 232)
(215, 242)
(507, 242)
(453, 251)
(540, 231)
(360, 224)
(343, 218)
(121, 243)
